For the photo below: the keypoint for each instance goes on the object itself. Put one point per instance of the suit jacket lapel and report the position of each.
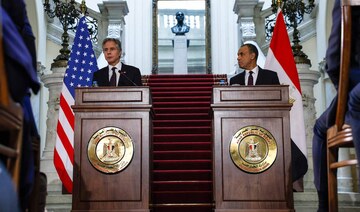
(107, 76)
(242, 78)
(123, 71)
(259, 79)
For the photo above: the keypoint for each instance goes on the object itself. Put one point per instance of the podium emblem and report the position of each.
(253, 149)
(110, 150)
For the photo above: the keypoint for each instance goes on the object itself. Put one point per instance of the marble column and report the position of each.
(308, 79)
(112, 18)
(53, 81)
(245, 10)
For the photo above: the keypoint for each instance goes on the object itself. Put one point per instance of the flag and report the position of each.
(280, 59)
(81, 66)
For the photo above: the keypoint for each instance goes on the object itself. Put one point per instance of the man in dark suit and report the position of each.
(327, 119)
(116, 73)
(247, 57)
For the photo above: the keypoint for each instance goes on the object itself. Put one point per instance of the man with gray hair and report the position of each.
(116, 73)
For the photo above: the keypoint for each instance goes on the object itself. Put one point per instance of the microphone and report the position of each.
(123, 73)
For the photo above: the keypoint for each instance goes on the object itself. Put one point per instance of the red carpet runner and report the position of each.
(182, 142)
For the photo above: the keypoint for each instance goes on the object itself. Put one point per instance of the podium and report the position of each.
(111, 149)
(252, 149)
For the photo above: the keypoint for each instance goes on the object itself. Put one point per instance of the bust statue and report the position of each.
(180, 28)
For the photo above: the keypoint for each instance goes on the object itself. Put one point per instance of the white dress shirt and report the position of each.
(254, 74)
(118, 68)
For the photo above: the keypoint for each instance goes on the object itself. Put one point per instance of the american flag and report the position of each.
(81, 66)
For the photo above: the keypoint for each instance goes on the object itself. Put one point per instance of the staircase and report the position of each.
(182, 142)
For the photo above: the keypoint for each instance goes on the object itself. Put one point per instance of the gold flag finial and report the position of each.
(83, 7)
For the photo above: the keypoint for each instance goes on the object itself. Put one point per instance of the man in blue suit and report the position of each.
(247, 57)
(125, 75)
(327, 119)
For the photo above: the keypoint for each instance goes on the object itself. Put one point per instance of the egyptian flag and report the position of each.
(280, 59)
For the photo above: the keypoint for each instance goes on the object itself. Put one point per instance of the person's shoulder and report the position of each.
(100, 72)
(129, 67)
(237, 79)
(267, 71)
(103, 69)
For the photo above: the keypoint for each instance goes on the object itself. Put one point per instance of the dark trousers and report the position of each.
(322, 124)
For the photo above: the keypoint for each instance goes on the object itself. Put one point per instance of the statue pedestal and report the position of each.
(180, 54)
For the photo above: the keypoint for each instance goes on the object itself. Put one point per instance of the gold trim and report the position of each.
(253, 149)
(110, 150)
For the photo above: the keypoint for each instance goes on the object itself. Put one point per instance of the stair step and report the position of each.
(177, 123)
(171, 138)
(182, 116)
(178, 175)
(181, 155)
(179, 80)
(182, 164)
(182, 130)
(182, 197)
(212, 76)
(196, 185)
(171, 110)
(181, 93)
(181, 89)
(180, 104)
(168, 84)
(181, 146)
(181, 98)
(200, 207)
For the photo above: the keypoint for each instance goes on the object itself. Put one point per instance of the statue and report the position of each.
(180, 28)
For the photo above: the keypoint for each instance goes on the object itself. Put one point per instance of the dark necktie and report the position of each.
(113, 77)
(250, 79)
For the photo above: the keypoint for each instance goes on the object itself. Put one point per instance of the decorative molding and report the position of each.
(247, 28)
(155, 52)
(115, 31)
(208, 37)
(40, 69)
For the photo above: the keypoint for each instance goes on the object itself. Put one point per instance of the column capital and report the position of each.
(113, 13)
(245, 7)
(55, 78)
(114, 10)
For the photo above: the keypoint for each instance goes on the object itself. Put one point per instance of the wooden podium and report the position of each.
(240, 185)
(126, 109)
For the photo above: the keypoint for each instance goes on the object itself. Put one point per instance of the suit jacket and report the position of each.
(18, 61)
(130, 76)
(265, 77)
(333, 54)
